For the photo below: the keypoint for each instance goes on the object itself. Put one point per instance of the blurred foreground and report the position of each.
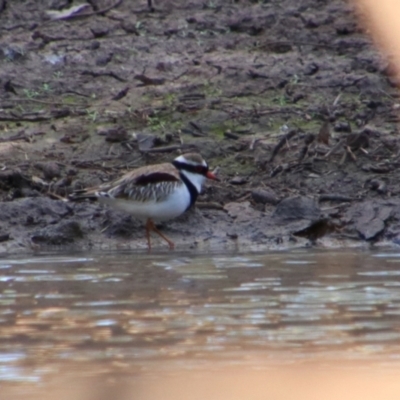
(311, 381)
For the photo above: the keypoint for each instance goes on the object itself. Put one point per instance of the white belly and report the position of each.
(171, 207)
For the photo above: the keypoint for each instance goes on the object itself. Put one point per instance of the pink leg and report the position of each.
(150, 226)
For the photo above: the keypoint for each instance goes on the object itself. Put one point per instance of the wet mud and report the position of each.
(289, 101)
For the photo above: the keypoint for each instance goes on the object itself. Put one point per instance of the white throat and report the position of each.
(196, 179)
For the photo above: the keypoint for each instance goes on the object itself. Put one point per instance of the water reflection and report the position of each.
(138, 309)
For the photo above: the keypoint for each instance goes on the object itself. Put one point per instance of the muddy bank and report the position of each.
(291, 102)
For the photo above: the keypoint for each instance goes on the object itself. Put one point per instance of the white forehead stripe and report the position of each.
(183, 159)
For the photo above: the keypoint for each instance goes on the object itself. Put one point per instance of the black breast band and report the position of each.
(192, 189)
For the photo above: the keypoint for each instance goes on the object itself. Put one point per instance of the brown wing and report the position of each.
(153, 182)
(143, 184)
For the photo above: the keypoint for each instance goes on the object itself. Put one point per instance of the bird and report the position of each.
(158, 192)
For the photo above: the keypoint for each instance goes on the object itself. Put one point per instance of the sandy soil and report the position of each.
(289, 100)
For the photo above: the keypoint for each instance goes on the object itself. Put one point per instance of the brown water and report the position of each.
(132, 315)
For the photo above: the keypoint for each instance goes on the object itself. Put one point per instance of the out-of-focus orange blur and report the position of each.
(381, 18)
(309, 382)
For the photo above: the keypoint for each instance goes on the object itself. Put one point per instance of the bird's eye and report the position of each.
(199, 169)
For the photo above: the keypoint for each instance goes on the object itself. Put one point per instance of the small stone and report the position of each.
(311, 69)
(378, 185)
(130, 27)
(238, 180)
(103, 60)
(114, 134)
(264, 196)
(342, 126)
(4, 237)
(50, 170)
(94, 45)
(311, 22)
(100, 31)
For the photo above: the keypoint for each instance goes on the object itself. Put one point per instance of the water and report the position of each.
(130, 314)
